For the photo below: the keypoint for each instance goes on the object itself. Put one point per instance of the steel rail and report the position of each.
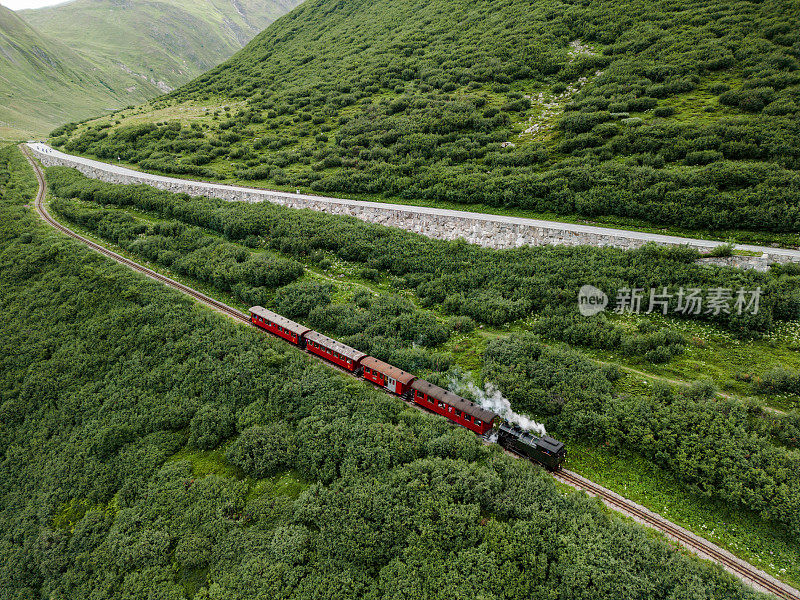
(693, 542)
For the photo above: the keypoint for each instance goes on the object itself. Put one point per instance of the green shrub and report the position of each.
(664, 111)
(722, 250)
(263, 451)
(210, 425)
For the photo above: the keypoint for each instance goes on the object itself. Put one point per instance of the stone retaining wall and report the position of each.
(486, 230)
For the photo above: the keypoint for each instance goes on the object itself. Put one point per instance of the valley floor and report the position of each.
(706, 549)
(739, 532)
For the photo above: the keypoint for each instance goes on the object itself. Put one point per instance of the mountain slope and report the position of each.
(32, 66)
(165, 42)
(656, 112)
(75, 60)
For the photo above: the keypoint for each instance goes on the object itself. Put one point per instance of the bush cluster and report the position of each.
(190, 251)
(489, 286)
(705, 441)
(779, 381)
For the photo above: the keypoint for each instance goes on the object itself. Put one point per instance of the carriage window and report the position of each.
(441, 404)
(477, 422)
(467, 418)
(458, 413)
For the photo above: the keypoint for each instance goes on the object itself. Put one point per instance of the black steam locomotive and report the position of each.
(546, 451)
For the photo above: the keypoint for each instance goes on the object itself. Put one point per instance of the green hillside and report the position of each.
(163, 43)
(42, 82)
(77, 60)
(654, 112)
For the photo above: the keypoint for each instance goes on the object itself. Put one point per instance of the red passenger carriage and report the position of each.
(277, 324)
(453, 407)
(336, 352)
(391, 378)
(387, 376)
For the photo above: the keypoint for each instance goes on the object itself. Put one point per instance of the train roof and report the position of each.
(551, 444)
(545, 442)
(279, 320)
(331, 344)
(434, 391)
(387, 369)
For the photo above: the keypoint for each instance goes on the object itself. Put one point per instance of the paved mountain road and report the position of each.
(208, 188)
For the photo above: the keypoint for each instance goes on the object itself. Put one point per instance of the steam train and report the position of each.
(545, 450)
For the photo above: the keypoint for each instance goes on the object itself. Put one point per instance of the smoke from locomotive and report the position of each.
(492, 399)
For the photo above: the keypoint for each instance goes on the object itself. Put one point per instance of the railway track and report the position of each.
(698, 545)
(42, 210)
(703, 548)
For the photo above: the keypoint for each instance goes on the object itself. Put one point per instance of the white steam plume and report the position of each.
(490, 398)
